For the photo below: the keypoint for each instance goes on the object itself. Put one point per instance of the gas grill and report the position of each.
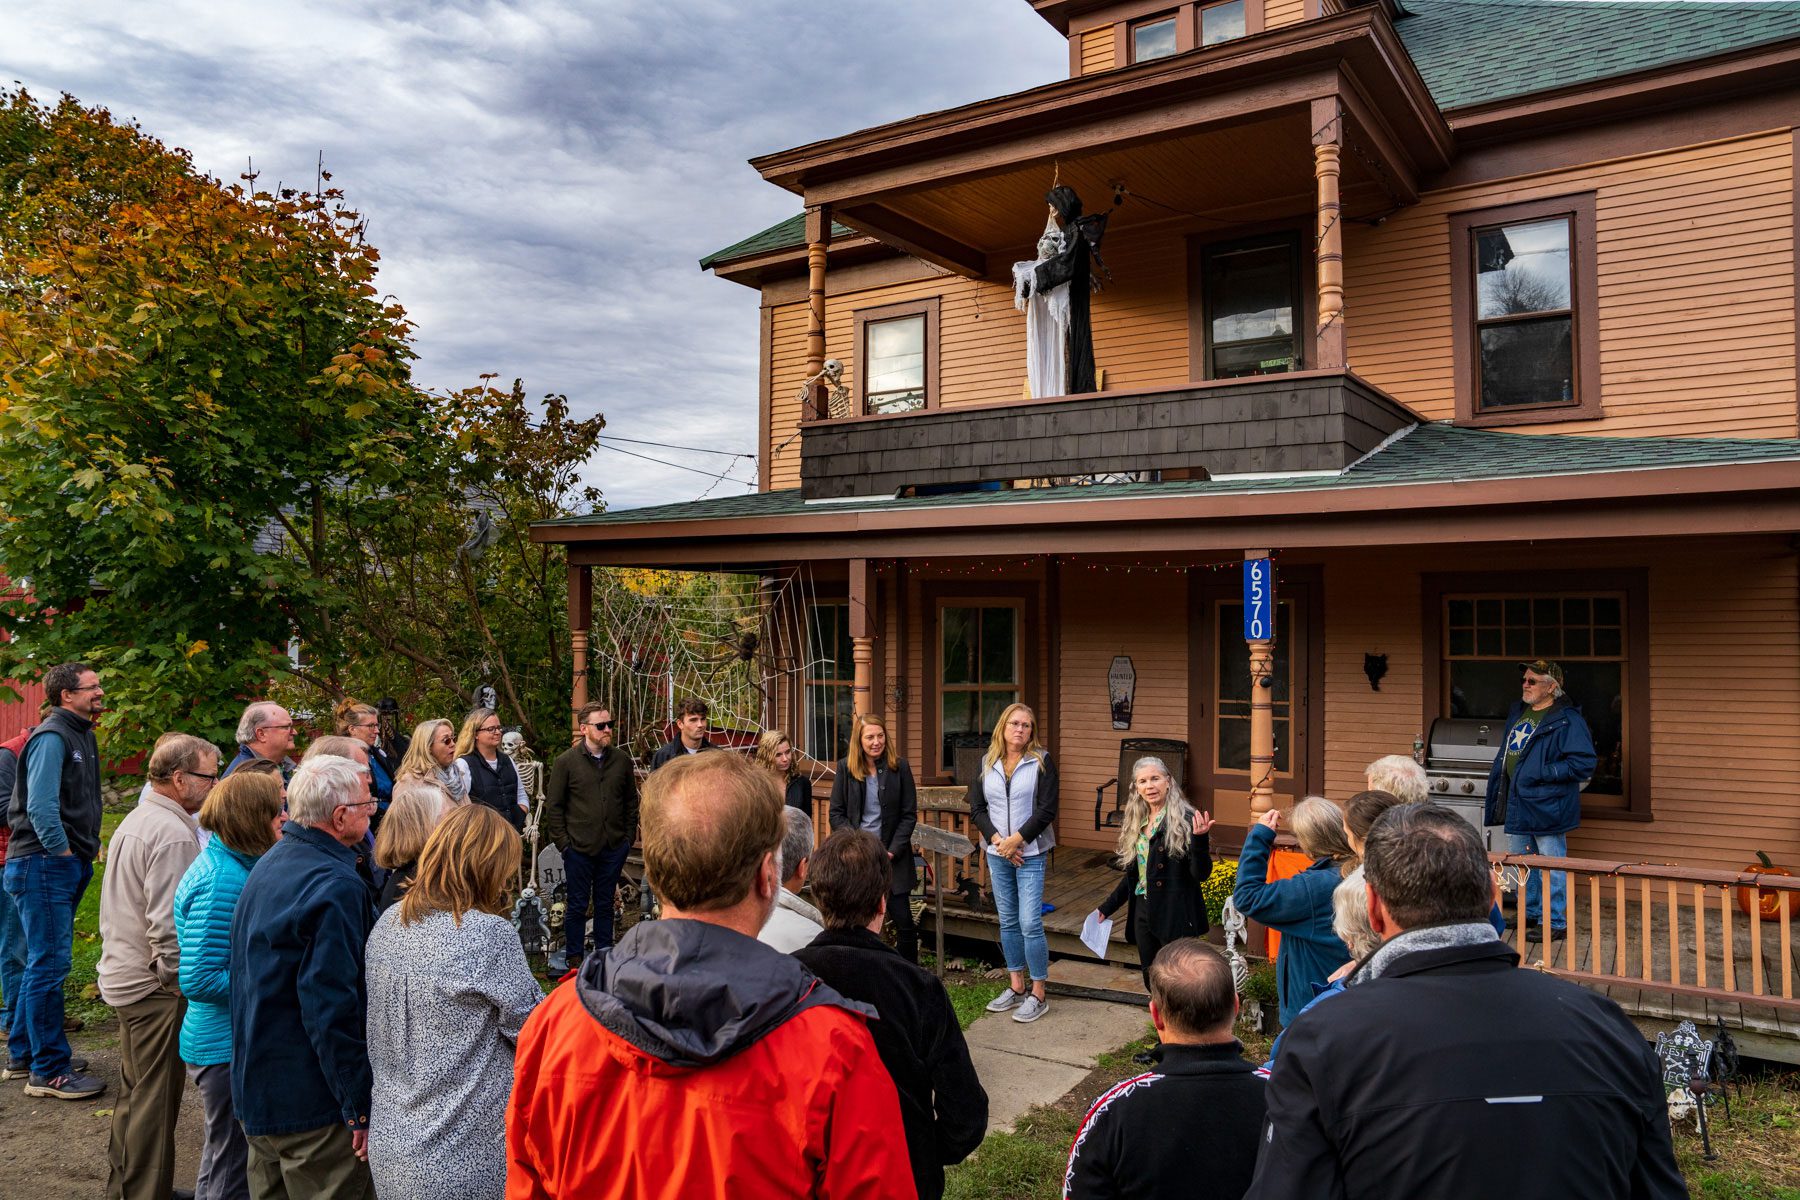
(1458, 756)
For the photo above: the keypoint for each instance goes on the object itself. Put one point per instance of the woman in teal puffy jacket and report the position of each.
(244, 815)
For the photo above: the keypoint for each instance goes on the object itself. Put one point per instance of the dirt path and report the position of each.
(56, 1149)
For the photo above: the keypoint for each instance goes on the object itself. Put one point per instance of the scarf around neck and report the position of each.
(1431, 937)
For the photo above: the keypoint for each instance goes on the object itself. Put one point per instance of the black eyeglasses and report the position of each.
(600, 724)
(201, 775)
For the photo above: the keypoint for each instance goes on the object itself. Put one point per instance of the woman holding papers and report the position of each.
(1167, 855)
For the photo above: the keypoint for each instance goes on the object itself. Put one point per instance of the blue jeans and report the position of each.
(1549, 845)
(582, 874)
(47, 888)
(12, 971)
(1019, 897)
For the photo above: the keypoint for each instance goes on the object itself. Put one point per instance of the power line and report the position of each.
(608, 437)
(718, 475)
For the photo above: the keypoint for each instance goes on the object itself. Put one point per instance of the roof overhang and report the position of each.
(882, 181)
(1712, 500)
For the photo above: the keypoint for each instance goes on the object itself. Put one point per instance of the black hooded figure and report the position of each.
(1075, 266)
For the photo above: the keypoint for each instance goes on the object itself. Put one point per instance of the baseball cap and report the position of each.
(1544, 666)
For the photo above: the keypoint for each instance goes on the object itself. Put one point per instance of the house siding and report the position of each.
(1694, 263)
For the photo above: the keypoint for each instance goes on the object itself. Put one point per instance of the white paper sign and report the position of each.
(1095, 933)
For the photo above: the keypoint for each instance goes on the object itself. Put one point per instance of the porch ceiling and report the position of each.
(1221, 130)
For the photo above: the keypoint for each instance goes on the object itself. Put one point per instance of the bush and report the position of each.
(1217, 890)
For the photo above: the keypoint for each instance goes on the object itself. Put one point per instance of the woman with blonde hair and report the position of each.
(244, 814)
(1166, 852)
(432, 757)
(354, 719)
(489, 776)
(1299, 908)
(449, 990)
(775, 753)
(1013, 804)
(873, 790)
(417, 808)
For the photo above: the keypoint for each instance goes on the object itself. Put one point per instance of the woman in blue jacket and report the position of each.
(1299, 909)
(244, 814)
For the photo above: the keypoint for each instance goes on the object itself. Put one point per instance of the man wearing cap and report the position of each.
(1534, 787)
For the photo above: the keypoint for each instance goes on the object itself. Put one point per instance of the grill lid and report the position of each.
(1464, 744)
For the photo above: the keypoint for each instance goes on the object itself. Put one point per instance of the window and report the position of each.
(1524, 307)
(1231, 694)
(898, 348)
(979, 670)
(1252, 293)
(1154, 38)
(1222, 22)
(1592, 625)
(830, 672)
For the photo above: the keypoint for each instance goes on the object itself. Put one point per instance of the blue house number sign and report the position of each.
(1259, 600)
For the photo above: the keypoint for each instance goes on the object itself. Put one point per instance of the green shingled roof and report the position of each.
(1478, 51)
(791, 232)
(1436, 453)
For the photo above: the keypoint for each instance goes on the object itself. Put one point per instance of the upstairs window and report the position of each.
(1154, 38)
(1222, 22)
(897, 344)
(1252, 294)
(1525, 309)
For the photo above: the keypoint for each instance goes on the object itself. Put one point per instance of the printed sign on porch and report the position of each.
(1259, 600)
(1121, 687)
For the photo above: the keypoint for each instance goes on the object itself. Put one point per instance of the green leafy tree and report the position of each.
(183, 364)
(441, 586)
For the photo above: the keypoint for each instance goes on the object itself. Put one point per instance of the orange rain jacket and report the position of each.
(694, 1062)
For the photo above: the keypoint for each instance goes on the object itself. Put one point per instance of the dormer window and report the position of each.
(1155, 38)
(1221, 22)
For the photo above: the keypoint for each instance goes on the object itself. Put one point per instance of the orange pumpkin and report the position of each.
(1768, 901)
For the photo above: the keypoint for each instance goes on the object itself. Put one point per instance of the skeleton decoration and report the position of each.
(528, 915)
(1236, 930)
(837, 396)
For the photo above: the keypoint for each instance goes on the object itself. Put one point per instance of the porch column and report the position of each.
(1328, 337)
(862, 635)
(818, 238)
(1262, 715)
(581, 608)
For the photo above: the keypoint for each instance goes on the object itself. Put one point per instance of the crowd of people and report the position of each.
(323, 948)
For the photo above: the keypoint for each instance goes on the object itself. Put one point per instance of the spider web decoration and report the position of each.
(736, 642)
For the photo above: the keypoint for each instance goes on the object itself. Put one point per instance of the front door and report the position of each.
(1222, 681)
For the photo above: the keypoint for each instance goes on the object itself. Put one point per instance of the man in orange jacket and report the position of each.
(692, 1060)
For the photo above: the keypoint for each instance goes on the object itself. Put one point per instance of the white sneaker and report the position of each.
(1032, 1009)
(1006, 1001)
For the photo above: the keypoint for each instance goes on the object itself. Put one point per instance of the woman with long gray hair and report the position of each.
(1166, 851)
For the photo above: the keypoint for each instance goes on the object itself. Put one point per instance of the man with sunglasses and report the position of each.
(55, 819)
(590, 814)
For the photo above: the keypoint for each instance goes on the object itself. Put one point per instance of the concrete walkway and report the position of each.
(1023, 1065)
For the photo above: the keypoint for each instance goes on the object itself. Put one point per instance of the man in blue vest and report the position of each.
(1534, 787)
(55, 820)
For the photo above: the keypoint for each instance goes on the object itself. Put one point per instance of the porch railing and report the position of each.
(940, 806)
(1677, 929)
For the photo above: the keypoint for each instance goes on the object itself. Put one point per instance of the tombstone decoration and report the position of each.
(1121, 690)
(1691, 1078)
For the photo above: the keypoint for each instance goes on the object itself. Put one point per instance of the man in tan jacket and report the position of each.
(139, 961)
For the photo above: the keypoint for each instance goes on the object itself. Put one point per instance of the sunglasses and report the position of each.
(600, 724)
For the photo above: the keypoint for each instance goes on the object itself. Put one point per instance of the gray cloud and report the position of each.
(542, 177)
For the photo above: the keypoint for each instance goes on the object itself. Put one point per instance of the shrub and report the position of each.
(1217, 890)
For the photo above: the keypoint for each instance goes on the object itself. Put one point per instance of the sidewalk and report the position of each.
(1025, 1065)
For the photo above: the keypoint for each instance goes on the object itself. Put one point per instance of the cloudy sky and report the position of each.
(541, 177)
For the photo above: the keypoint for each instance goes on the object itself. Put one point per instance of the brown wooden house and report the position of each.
(1480, 316)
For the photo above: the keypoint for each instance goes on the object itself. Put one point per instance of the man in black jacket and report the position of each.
(590, 814)
(1190, 1126)
(943, 1106)
(692, 721)
(1444, 1070)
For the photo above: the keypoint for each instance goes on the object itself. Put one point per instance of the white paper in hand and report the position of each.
(1095, 932)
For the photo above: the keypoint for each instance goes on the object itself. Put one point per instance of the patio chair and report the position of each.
(1171, 751)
